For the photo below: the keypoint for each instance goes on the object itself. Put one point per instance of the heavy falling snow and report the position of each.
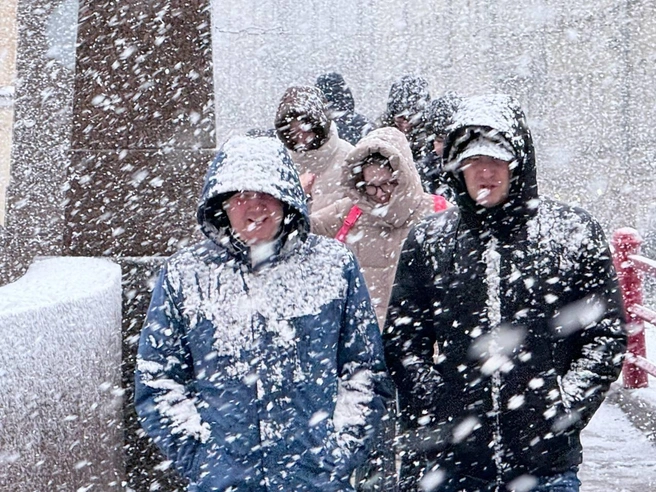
(107, 129)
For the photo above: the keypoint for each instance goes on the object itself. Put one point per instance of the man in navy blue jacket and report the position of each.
(260, 363)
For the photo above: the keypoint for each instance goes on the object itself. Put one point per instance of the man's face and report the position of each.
(487, 180)
(300, 132)
(379, 183)
(438, 145)
(403, 124)
(254, 217)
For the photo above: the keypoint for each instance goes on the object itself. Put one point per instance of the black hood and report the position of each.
(307, 104)
(502, 116)
(439, 114)
(408, 97)
(337, 92)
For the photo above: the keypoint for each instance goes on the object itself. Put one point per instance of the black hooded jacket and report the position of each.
(351, 126)
(305, 104)
(504, 328)
(409, 97)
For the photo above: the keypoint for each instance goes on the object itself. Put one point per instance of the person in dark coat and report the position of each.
(406, 110)
(260, 364)
(351, 126)
(505, 323)
(439, 116)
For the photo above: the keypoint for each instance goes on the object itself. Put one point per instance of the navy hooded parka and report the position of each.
(260, 374)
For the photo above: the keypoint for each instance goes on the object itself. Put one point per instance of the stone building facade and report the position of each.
(7, 80)
(583, 72)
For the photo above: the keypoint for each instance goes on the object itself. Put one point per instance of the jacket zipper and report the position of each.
(493, 278)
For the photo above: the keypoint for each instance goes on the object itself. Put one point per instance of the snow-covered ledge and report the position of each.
(60, 373)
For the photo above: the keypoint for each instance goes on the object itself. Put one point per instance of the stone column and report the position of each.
(143, 130)
(60, 353)
(7, 80)
(142, 139)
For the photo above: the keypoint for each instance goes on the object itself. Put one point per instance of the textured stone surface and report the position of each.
(143, 462)
(133, 203)
(61, 398)
(34, 222)
(112, 139)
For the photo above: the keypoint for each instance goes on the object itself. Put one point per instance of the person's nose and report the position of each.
(486, 171)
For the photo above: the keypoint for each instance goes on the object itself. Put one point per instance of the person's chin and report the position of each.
(259, 238)
(487, 203)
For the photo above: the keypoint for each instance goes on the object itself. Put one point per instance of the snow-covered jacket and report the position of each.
(505, 325)
(261, 378)
(431, 171)
(438, 117)
(378, 234)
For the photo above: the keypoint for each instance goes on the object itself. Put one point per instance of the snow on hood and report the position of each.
(56, 281)
(337, 92)
(408, 195)
(408, 96)
(259, 164)
(440, 113)
(304, 103)
(502, 115)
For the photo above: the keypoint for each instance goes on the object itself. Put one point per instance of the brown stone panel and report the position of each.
(144, 75)
(132, 203)
(143, 462)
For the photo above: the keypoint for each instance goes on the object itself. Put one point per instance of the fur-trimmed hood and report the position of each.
(407, 197)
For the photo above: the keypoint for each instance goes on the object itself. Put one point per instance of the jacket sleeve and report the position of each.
(601, 342)
(328, 220)
(364, 386)
(409, 335)
(164, 399)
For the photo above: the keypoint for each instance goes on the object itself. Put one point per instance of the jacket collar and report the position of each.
(319, 160)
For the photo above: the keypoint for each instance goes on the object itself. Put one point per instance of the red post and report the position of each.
(626, 242)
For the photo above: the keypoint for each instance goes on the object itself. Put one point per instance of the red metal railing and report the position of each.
(630, 268)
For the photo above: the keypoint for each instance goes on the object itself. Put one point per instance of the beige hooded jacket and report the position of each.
(378, 235)
(327, 164)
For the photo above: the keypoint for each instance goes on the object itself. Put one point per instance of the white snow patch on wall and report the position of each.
(60, 374)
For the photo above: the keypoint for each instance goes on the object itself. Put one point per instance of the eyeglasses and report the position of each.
(372, 189)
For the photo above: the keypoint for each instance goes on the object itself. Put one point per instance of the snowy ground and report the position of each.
(649, 394)
(616, 456)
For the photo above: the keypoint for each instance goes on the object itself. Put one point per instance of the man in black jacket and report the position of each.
(505, 324)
